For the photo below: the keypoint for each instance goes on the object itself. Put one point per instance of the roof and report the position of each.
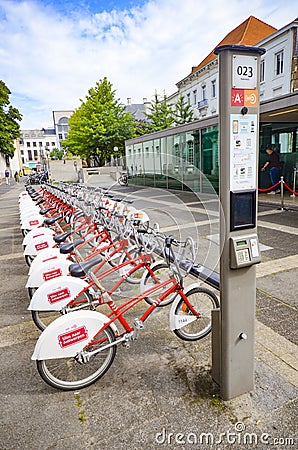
(249, 32)
(137, 110)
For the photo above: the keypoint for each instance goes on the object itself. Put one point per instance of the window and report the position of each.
(53, 144)
(279, 63)
(28, 144)
(190, 152)
(40, 144)
(213, 88)
(188, 99)
(195, 97)
(35, 154)
(34, 144)
(204, 92)
(30, 155)
(262, 71)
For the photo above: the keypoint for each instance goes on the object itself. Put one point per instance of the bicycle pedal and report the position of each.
(126, 344)
(139, 324)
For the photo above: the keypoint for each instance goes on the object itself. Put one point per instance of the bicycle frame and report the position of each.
(117, 313)
(40, 299)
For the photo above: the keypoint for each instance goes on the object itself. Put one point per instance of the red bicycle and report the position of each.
(77, 349)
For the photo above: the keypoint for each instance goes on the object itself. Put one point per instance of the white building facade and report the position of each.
(176, 152)
(35, 147)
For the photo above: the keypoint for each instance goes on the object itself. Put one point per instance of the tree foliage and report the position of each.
(9, 126)
(160, 114)
(56, 153)
(182, 111)
(99, 125)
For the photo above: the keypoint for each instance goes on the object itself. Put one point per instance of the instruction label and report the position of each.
(243, 152)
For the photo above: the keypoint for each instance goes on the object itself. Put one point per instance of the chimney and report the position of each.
(128, 100)
(144, 100)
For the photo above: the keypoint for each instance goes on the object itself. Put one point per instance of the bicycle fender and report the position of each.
(69, 334)
(26, 213)
(177, 321)
(33, 221)
(28, 208)
(38, 244)
(47, 271)
(46, 255)
(41, 231)
(56, 293)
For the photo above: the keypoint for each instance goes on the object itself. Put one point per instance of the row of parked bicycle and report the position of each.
(83, 246)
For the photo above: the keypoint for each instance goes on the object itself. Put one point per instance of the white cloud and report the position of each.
(49, 61)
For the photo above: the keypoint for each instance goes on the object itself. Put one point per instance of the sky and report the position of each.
(53, 52)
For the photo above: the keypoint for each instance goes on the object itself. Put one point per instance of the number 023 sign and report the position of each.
(244, 72)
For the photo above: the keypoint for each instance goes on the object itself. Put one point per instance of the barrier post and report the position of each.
(282, 193)
(294, 182)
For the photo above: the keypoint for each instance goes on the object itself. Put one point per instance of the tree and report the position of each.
(9, 126)
(160, 115)
(140, 127)
(182, 112)
(99, 125)
(56, 153)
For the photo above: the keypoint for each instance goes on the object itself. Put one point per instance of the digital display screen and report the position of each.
(240, 243)
(243, 210)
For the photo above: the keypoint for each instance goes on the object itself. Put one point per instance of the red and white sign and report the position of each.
(73, 337)
(58, 296)
(52, 274)
(33, 222)
(41, 246)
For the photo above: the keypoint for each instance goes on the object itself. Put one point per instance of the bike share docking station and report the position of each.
(233, 325)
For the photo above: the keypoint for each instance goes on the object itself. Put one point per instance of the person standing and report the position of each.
(273, 163)
(7, 176)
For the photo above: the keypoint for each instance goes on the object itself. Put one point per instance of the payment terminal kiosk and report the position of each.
(233, 324)
(244, 248)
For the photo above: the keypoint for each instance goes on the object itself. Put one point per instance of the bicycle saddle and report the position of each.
(52, 220)
(69, 246)
(81, 269)
(61, 237)
(45, 211)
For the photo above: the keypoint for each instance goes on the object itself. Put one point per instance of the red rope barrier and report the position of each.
(270, 188)
(289, 189)
(276, 184)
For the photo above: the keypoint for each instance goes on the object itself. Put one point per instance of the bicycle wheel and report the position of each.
(123, 180)
(69, 374)
(203, 301)
(43, 318)
(161, 273)
(31, 291)
(29, 259)
(136, 276)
